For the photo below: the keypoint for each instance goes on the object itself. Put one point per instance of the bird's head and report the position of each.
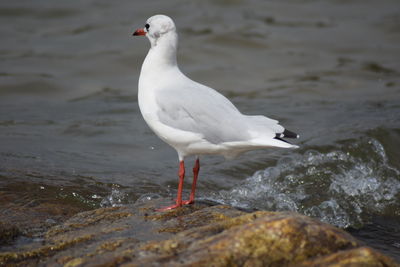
(156, 27)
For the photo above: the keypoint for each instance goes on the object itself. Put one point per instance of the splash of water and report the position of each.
(115, 199)
(343, 186)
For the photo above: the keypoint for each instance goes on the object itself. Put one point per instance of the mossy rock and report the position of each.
(195, 235)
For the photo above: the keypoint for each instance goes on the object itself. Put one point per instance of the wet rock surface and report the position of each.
(196, 235)
(23, 220)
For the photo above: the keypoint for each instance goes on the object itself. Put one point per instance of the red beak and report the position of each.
(139, 32)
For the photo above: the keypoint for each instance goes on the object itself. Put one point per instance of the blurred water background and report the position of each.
(71, 133)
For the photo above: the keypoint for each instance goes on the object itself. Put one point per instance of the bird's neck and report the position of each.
(162, 54)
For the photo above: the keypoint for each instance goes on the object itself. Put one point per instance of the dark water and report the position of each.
(71, 131)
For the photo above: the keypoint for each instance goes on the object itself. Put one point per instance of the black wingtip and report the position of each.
(288, 134)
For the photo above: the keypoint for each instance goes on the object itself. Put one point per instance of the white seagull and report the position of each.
(191, 117)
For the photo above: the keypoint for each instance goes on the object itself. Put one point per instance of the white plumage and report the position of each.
(191, 117)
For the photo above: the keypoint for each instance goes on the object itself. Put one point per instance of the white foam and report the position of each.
(342, 186)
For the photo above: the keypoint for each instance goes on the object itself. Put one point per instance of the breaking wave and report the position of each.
(343, 186)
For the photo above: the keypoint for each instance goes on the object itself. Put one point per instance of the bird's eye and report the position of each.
(147, 26)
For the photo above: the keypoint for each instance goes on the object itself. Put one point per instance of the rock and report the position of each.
(357, 257)
(33, 218)
(196, 235)
(8, 232)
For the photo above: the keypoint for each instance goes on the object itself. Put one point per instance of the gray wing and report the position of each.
(200, 109)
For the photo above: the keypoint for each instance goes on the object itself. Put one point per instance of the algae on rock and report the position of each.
(195, 235)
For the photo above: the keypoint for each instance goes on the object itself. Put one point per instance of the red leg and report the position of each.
(180, 188)
(196, 170)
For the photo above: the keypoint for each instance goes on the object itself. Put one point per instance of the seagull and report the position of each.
(193, 118)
